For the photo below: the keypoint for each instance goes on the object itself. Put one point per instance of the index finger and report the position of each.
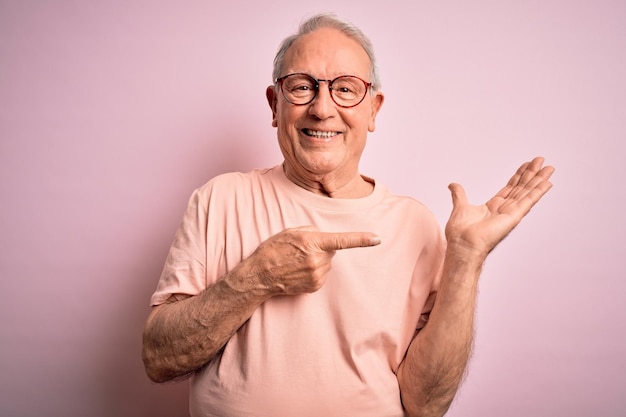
(345, 240)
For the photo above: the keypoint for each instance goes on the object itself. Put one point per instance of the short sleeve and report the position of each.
(184, 271)
(435, 268)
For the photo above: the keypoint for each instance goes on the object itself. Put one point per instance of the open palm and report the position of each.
(481, 228)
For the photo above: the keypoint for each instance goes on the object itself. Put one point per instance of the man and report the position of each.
(308, 289)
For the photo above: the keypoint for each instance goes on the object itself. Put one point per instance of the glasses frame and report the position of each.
(279, 81)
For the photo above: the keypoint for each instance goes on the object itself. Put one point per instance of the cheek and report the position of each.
(359, 122)
(286, 117)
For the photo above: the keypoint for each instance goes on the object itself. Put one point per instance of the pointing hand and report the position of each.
(297, 260)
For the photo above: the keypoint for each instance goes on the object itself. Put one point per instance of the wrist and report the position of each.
(463, 265)
(465, 252)
(246, 279)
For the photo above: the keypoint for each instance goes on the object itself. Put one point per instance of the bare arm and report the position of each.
(182, 336)
(436, 360)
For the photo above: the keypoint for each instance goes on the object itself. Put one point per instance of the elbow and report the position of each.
(153, 367)
(158, 370)
(427, 409)
(154, 359)
(424, 399)
(154, 373)
(157, 376)
(160, 364)
(426, 403)
(167, 355)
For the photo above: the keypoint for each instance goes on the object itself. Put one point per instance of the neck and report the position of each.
(331, 186)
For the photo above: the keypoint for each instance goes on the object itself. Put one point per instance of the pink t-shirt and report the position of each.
(330, 353)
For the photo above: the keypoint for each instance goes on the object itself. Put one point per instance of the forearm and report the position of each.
(435, 364)
(182, 336)
(436, 360)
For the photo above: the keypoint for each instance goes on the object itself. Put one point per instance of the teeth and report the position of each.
(320, 133)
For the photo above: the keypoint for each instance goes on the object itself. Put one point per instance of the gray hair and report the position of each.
(329, 20)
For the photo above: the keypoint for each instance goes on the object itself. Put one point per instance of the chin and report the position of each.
(320, 167)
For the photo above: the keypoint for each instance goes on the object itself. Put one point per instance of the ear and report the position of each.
(377, 102)
(270, 94)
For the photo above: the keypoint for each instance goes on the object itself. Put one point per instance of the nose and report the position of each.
(322, 105)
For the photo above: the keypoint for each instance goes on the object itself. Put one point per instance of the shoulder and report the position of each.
(231, 183)
(410, 206)
(405, 213)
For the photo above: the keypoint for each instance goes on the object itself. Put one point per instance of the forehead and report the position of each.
(327, 53)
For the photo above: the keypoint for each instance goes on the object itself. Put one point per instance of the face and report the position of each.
(322, 142)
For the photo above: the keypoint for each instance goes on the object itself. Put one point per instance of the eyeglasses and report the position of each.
(300, 89)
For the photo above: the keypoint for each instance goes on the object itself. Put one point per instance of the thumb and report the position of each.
(346, 240)
(458, 194)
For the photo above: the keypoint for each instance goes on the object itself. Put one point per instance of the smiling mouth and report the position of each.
(319, 134)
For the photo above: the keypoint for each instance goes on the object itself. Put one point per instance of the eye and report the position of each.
(347, 87)
(344, 89)
(300, 87)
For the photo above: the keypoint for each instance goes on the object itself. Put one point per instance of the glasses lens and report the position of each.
(348, 90)
(299, 88)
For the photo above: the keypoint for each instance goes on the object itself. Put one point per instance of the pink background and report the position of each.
(112, 112)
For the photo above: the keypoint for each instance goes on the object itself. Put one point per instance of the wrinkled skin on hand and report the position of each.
(297, 260)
